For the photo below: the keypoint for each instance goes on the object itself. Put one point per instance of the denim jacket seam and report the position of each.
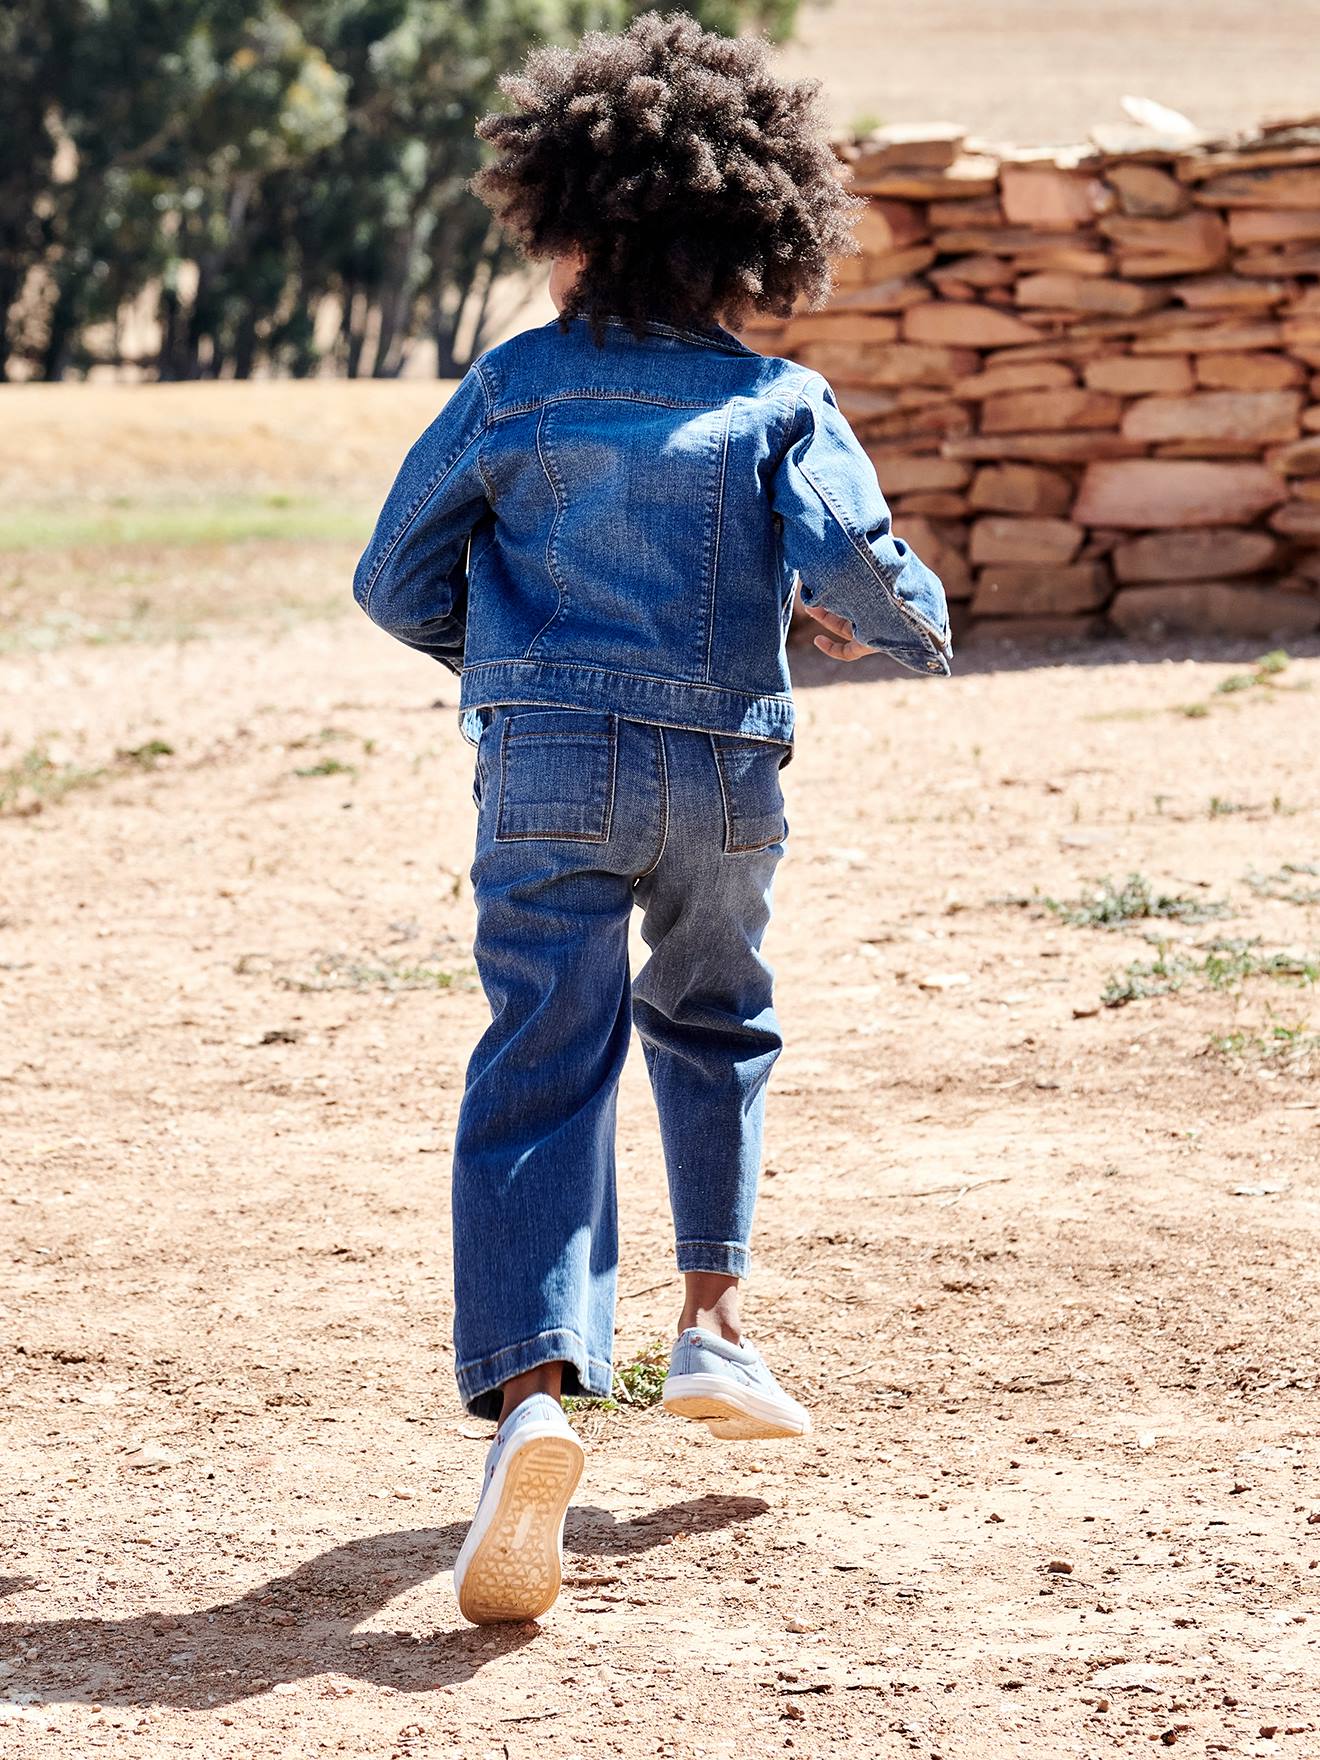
(679, 684)
(435, 483)
(605, 394)
(712, 592)
(560, 594)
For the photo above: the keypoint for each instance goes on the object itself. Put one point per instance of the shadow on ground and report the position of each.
(304, 1624)
(981, 653)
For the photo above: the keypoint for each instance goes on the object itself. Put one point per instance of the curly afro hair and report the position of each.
(697, 186)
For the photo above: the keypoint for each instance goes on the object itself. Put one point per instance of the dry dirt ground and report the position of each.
(1024, 70)
(1044, 1269)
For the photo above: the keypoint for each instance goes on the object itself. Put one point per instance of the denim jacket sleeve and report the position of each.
(836, 534)
(412, 577)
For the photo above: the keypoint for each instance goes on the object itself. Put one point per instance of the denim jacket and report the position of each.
(621, 528)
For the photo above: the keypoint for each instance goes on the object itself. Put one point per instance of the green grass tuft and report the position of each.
(38, 780)
(1111, 906)
(233, 520)
(1282, 884)
(639, 1383)
(338, 971)
(1225, 965)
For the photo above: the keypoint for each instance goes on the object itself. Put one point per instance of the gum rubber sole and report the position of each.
(733, 1416)
(514, 1572)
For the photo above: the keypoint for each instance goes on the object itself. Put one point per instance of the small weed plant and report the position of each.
(1109, 905)
(637, 1384)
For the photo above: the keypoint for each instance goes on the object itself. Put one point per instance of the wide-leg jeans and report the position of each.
(582, 816)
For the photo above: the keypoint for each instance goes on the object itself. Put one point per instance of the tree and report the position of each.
(249, 159)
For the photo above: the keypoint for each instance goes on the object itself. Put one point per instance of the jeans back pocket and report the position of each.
(753, 799)
(556, 775)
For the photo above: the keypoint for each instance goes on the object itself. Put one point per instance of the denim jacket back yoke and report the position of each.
(621, 527)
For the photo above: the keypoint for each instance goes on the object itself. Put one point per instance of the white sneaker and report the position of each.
(511, 1563)
(729, 1388)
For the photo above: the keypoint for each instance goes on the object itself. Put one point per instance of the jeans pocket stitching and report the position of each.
(507, 738)
(731, 844)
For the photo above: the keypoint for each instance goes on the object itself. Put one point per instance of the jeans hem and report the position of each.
(481, 1379)
(726, 1256)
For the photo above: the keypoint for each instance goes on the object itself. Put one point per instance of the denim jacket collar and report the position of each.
(715, 337)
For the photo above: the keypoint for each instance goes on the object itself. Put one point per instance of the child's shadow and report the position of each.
(304, 1624)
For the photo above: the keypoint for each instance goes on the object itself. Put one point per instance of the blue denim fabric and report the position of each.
(621, 527)
(583, 815)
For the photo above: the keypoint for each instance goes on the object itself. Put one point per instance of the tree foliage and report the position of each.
(232, 166)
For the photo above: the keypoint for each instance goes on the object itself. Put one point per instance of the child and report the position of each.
(601, 533)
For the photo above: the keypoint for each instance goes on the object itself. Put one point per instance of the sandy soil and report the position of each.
(1019, 70)
(1045, 1271)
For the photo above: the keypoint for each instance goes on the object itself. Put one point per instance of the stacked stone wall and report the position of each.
(1089, 378)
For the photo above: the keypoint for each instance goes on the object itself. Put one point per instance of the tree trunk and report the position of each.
(55, 355)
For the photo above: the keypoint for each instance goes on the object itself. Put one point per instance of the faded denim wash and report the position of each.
(583, 815)
(620, 528)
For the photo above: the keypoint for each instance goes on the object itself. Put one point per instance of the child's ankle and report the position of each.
(546, 1378)
(711, 1302)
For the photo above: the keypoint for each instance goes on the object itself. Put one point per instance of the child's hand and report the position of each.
(846, 649)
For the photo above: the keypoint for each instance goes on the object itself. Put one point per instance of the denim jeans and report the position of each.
(584, 814)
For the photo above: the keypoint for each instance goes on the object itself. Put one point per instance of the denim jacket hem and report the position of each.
(704, 708)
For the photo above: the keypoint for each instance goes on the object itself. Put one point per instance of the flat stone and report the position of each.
(1147, 190)
(982, 270)
(1080, 448)
(1002, 539)
(888, 364)
(965, 325)
(914, 473)
(1255, 417)
(971, 175)
(1042, 196)
(1291, 260)
(1247, 372)
(1202, 554)
(1272, 226)
(1213, 608)
(1040, 591)
(1284, 186)
(1083, 293)
(1005, 241)
(977, 211)
(1024, 489)
(1298, 519)
(1010, 375)
(1126, 376)
(1228, 337)
(931, 144)
(1198, 237)
(915, 415)
(1021, 412)
(1075, 259)
(1146, 494)
(893, 295)
(837, 327)
(873, 267)
(1229, 293)
(938, 503)
(889, 226)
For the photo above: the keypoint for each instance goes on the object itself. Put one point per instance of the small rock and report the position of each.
(150, 1454)
(1060, 1567)
(798, 1625)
